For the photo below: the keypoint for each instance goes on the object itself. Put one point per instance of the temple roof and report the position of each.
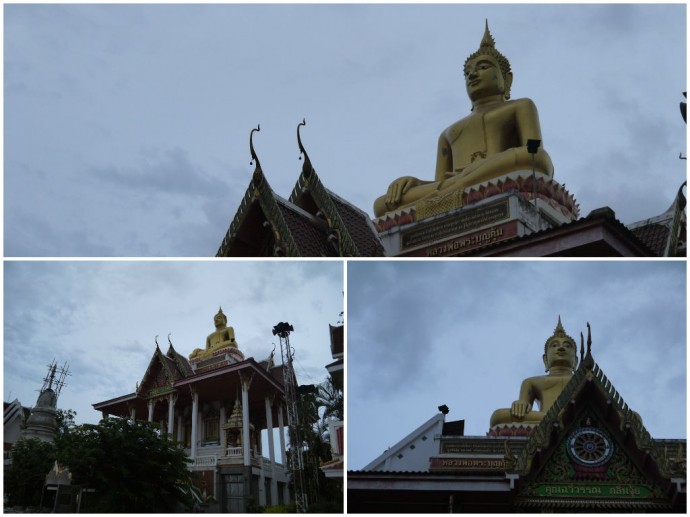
(665, 234)
(222, 383)
(313, 222)
(599, 234)
(403, 457)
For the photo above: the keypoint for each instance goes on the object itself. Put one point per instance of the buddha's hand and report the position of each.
(519, 409)
(398, 189)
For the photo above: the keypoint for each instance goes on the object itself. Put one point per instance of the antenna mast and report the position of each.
(50, 382)
(282, 330)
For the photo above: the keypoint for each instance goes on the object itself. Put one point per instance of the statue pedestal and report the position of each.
(512, 430)
(491, 212)
(218, 358)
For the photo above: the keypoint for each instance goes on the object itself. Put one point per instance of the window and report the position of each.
(211, 429)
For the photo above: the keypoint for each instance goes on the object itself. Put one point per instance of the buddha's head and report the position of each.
(487, 71)
(219, 319)
(560, 350)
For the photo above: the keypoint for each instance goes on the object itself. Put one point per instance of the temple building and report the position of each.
(581, 449)
(15, 416)
(217, 403)
(336, 428)
(493, 194)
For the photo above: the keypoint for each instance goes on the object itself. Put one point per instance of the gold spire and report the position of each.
(559, 332)
(488, 39)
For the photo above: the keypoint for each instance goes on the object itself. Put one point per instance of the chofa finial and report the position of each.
(258, 173)
(582, 347)
(307, 167)
(589, 360)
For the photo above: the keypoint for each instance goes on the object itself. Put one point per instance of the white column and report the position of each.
(262, 485)
(180, 428)
(133, 414)
(195, 416)
(283, 452)
(246, 439)
(171, 415)
(271, 451)
(221, 431)
(150, 410)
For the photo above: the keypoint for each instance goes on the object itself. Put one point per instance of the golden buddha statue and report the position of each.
(222, 337)
(490, 142)
(560, 360)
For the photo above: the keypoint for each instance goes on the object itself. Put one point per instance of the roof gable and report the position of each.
(159, 376)
(412, 453)
(257, 222)
(348, 226)
(592, 449)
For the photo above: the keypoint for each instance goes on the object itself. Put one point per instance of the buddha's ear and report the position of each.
(508, 83)
(576, 361)
(546, 365)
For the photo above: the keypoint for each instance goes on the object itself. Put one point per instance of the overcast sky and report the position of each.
(127, 127)
(102, 318)
(466, 333)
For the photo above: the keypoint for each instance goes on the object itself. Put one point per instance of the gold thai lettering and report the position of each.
(573, 490)
(485, 237)
(436, 230)
(472, 463)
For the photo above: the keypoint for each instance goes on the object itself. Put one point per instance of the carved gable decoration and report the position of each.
(591, 451)
(159, 376)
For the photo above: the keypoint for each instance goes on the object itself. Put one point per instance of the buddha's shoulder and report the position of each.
(537, 379)
(524, 103)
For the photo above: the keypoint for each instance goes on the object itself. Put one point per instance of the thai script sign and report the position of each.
(466, 464)
(468, 242)
(479, 448)
(603, 490)
(468, 220)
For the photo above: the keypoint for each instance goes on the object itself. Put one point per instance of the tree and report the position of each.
(130, 466)
(31, 461)
(325, 399)
(330, 398)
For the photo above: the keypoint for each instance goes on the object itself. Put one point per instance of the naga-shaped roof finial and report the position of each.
(258, 173)
(589, 360)
(307, 167)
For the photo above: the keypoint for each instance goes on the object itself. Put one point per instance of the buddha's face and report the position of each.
(219, 320)
(560, 352)
(483, 78)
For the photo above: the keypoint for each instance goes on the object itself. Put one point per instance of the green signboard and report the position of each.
(593, 490)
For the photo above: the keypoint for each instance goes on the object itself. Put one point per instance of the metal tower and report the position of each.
(282, 330)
